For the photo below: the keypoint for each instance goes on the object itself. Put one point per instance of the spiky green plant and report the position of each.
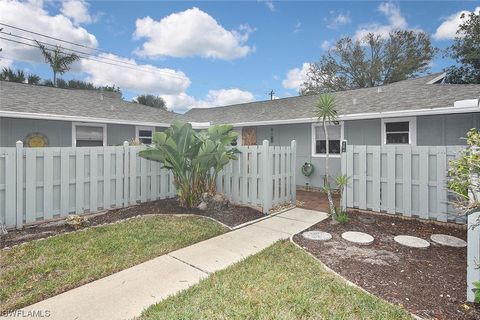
(195, 158)
(325, 111)
(58, 60)
(13, 76)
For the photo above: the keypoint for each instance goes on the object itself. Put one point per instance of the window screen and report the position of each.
(334, 137)
(397, 132)
(87, 136)
(145, 136)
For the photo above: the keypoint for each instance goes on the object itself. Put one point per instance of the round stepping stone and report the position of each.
(412, 242)
(358, 237)
(449, 241)
(317, 235)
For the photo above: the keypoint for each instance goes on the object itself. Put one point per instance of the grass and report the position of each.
(40, 269)
(281, 282)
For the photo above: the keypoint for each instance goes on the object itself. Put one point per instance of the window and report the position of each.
(320, 143)
(399, 131)
(144, 134)
(89, 135)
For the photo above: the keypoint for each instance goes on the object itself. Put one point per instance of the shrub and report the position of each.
(342, 216)
(195, 158)
(75, 221)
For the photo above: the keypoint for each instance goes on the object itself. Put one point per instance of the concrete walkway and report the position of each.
(124, 295)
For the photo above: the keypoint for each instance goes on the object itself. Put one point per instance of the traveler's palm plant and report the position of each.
(195, 158)
(327, 114)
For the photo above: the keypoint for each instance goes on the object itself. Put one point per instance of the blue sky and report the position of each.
(205, 54)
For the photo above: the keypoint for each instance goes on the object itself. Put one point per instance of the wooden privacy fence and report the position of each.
(38, 184)
(405, 180)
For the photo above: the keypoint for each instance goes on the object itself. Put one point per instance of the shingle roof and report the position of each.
(27, 98)
(409, 94)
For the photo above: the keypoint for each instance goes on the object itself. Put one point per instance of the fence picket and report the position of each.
(262, 176)
(441, 183)
(349, 189)
(391, 183)
(362, 177)
(376, 186)
(423, 183)
(407, 181)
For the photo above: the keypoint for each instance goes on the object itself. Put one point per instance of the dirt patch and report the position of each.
(430, 283)
(233, 216)
(315, 200)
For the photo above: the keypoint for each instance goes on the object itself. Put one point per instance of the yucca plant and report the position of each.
(325, 111)
(195, 158)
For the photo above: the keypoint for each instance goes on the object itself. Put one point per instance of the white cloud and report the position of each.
(32, 16)
(448, 28)
(297, 27)
(269, 4)
(395, 21)
(337, 19)
(77, 10)
(6, 63)
(326, 45)
(138, 78)
(191, 33)
(214, 98)
(296, 77)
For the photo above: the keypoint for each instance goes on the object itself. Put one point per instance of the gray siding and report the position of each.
(363, 132)
(59, 133)
(118, 133)
(302, 133)
(445, 130)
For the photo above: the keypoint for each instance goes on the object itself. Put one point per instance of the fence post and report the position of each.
(267, 186)
(473, 240)
(343, 160)
(19, 166)
(293, 169)
(126, 175)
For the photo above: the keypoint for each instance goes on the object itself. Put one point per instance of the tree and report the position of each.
(152, 101)
(325, 111)
(13, 76)
(58, 60)
(33, 79)
(466, 51)
(370, 61)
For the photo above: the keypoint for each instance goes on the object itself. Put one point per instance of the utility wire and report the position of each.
(83, 54)
(89, 57)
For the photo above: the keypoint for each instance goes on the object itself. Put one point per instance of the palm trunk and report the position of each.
(54, 79)
(327, 182)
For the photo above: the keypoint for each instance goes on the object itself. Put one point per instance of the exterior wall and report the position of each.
(59, 133)
(436, 130)
(302, 133)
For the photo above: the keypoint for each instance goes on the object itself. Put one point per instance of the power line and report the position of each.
(140, 68)
(53, 38)
(87, 56)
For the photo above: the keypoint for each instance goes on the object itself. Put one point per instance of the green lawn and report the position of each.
(281, 282)
(41, 269)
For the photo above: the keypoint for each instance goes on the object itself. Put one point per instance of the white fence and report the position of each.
(405, 180)
(39, 184)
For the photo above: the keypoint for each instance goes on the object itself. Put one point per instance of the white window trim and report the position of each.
(412, 128)
(138, 128)
(314, 142)
(88, 124)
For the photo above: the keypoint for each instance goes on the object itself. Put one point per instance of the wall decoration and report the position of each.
(36, 140)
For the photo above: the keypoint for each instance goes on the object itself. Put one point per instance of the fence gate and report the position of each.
(405, 180)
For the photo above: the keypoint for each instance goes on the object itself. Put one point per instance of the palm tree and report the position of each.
(58, 60)
(13, 76)
(326, 113)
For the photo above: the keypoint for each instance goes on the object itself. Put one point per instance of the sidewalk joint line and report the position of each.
(189, 264)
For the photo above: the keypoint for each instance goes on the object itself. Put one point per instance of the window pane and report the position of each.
(397, 138)
(89, 143)
(146, 140)
(145, 133)
(321, 146)
(397, 126)
(89, 133)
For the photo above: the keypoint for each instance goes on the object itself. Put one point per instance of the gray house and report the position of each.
(46, 116)
(421, 111)
(417, 112)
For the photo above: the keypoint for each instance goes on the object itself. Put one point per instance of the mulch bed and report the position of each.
(430, 283)
(233, 216)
